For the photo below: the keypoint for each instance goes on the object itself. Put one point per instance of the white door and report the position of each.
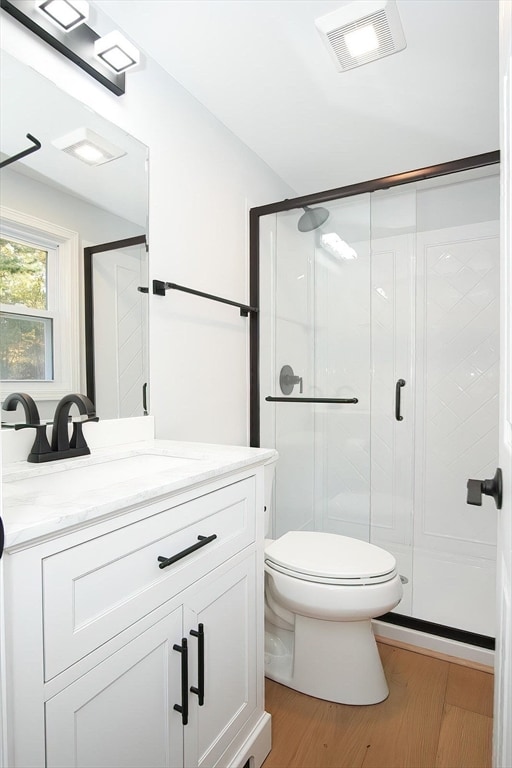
(503, 685)
(121, 713)
(119, 332)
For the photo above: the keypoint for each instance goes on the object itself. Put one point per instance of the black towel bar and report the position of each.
(37, 145)
(159, 289)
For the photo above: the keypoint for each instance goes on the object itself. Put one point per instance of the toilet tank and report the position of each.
(270, 471)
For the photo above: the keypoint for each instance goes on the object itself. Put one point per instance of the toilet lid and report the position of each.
(329, 555)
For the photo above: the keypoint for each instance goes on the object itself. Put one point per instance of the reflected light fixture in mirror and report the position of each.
(65, 14)
(88, 146)
(334, 245)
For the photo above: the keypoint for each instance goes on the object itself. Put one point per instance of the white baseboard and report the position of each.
(433, 643)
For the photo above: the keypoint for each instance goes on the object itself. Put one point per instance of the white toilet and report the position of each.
(321, 592)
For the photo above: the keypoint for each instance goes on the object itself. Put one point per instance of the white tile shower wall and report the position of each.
(457, 418)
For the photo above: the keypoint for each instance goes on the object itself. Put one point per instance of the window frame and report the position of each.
(65, 275)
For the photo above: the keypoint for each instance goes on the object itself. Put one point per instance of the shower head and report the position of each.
(312, 218)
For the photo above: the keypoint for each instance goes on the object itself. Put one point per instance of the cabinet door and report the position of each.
(121, 712)
(225, 605)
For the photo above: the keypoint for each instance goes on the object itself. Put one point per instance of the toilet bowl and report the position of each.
(321, 592)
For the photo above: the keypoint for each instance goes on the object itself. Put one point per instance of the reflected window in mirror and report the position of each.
(28, 300)
(38, 344)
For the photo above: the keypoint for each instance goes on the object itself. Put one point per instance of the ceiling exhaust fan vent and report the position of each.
(361, 32)
(88, 146)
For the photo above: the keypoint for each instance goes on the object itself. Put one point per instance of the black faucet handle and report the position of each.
(83, 419)
(41, 446)
(77, 438)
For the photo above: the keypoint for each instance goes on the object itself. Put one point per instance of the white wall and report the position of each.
(202, 182)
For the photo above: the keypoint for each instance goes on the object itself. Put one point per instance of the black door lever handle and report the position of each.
(398, 389)
(492, 487)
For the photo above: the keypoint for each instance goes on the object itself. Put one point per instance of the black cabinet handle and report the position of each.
(2, 538)
(202, 541)
(492, 487)
(398, 389)
(199, 691)
(183, 707)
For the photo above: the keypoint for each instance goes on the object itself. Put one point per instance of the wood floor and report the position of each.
(438, 715)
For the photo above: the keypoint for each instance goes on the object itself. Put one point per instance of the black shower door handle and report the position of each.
(398, 390)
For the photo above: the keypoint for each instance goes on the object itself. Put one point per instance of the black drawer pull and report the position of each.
(183, 707)
(199, 691)
(202, 541)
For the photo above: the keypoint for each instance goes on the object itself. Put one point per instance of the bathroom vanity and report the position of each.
(133, 622)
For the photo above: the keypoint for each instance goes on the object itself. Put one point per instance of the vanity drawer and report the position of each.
(95, 590)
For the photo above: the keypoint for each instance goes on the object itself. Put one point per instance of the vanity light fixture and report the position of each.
(60, 23)
(88, 146)
(116, 52)
(362, 31)
(66, 14)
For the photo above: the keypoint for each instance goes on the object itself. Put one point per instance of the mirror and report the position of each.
(67, 320)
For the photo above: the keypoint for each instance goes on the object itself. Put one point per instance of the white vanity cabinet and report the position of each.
(98, 675)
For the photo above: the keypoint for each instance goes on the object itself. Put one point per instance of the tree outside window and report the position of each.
(26, 337)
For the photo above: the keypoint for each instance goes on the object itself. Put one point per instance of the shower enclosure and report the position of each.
(378, 376)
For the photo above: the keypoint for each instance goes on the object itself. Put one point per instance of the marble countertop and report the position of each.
(39, 500)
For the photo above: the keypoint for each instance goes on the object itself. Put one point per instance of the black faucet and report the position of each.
(41, 450)
(62, 447)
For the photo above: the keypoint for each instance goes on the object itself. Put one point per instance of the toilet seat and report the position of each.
(329, 558)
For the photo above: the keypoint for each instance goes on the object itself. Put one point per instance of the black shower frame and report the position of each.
(386, 182)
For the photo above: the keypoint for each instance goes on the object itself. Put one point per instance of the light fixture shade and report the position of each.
(116, 52)
(362, 31)
(65, 14)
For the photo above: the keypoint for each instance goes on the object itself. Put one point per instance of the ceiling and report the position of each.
(261, 67)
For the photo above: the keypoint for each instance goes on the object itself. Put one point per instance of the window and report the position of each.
(39, 299)
(26, 322)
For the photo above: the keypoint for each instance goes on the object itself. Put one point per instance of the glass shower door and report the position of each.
(316, 309)
(393, 378)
